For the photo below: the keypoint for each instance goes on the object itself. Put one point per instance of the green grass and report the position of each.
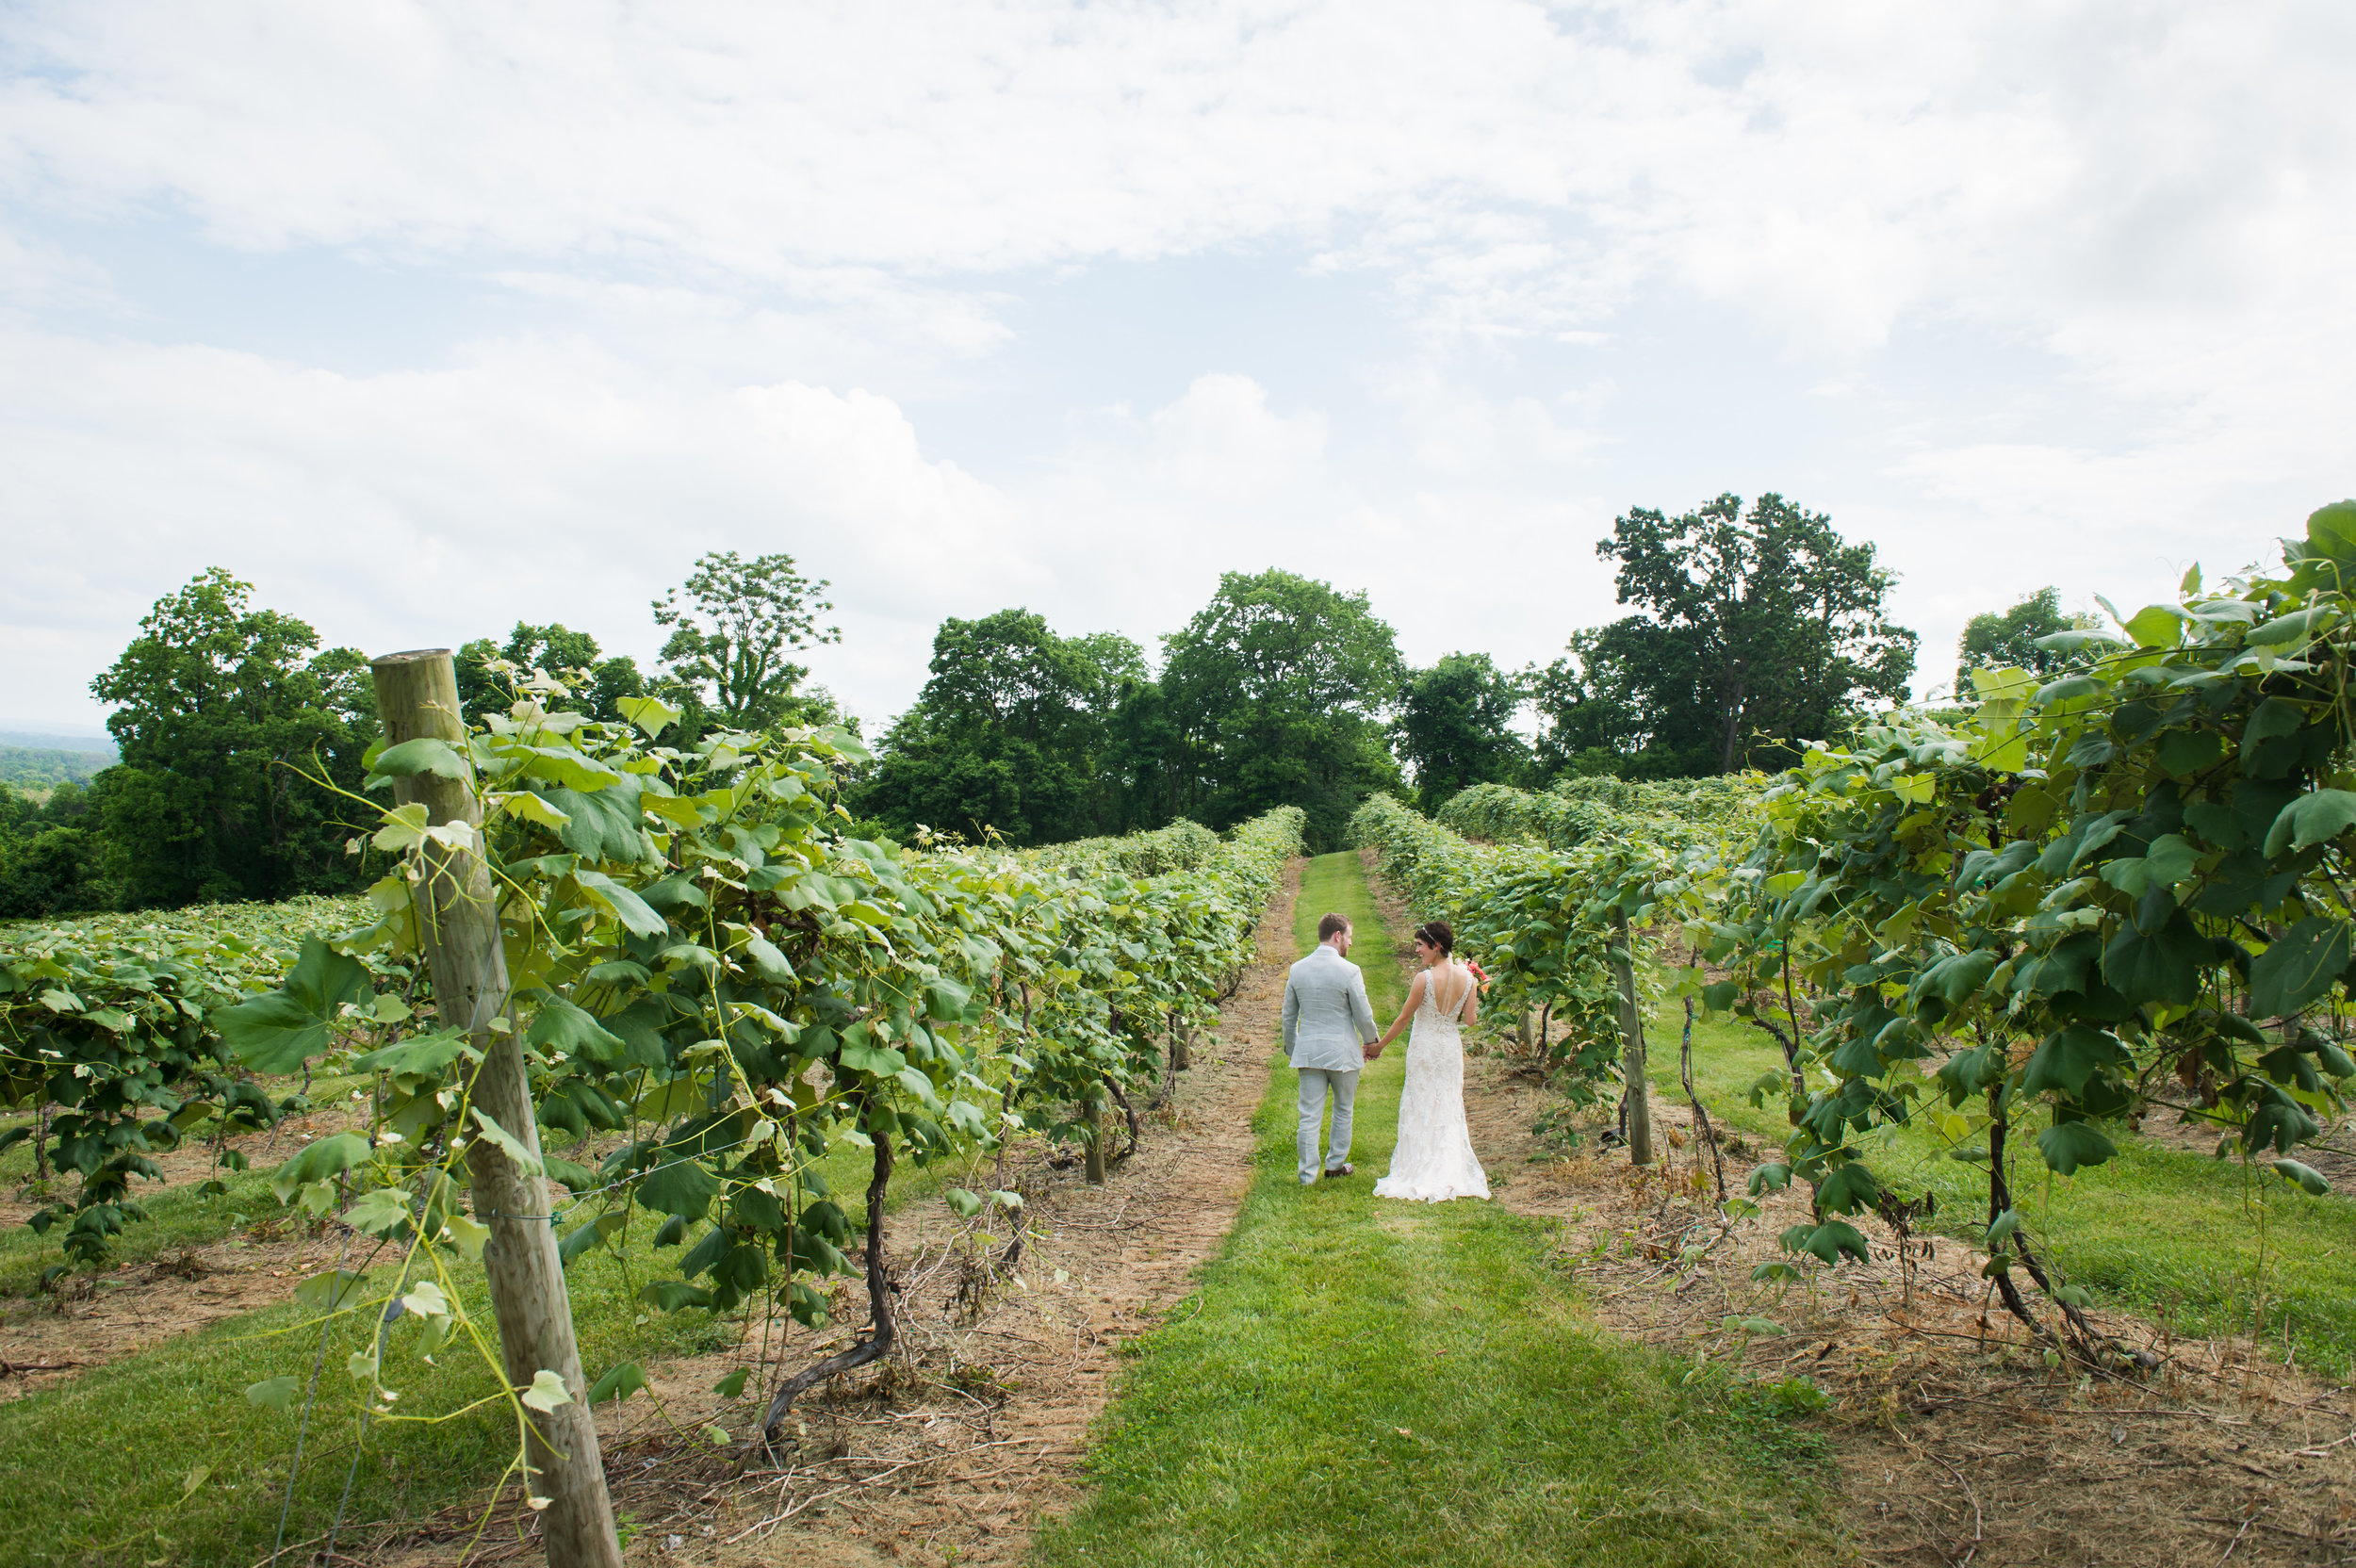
(104, 1460)
(1364, 1383)
(103, 1463)
(2155, 1231)
(1333, 884)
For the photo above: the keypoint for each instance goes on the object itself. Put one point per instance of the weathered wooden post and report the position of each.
(1632, 1044)
(416, 696)
(1094, 1107)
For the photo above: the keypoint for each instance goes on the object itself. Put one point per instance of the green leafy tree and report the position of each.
(1759, 631)
(727, 659)
(1008, 733)
(220, 709)
(549, 648)
(1275, 693)
(50, 856)
(1591, 707)
(1144, 768)
(1455, 726)
(1993, 642)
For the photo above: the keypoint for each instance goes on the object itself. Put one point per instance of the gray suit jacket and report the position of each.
(1327, 1018)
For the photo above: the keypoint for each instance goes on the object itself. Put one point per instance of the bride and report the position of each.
(1433, 1159)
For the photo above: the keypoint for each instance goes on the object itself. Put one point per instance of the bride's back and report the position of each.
(1453, 979)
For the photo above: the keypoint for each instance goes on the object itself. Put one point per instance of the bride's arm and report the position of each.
(1472, 1007)
(1414, 994)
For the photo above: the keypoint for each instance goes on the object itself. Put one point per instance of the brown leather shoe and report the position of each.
(1341, 1170)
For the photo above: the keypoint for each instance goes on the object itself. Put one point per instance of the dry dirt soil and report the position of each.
(92, 1320)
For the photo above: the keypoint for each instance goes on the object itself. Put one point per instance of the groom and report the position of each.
(1328, 1032)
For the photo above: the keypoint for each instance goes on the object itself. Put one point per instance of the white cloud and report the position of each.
(1524, 167)
(540, 479)
(2075, 274)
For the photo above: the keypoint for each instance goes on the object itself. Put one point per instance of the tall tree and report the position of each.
(1759, 632)
(1992, 642)
(219, 710)
(51, 858)
(728, 657)
(1455, 725)
(1008, 733)
(1275, 693)
(549, 649)
(1592, 708)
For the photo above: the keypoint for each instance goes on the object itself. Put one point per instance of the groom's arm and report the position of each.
(1360, 1011)
(1292, 1012)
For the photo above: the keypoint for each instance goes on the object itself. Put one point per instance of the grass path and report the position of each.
(1359, 1382)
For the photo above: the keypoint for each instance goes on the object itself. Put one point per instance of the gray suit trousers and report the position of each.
(1314, 1084)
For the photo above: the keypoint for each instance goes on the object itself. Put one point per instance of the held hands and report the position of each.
(1374, 1048)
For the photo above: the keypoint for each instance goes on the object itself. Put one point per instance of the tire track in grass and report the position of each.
(1375, 1383)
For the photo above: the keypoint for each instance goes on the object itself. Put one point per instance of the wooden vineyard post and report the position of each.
(1632, 1044)
(1094, 1105)
(416, 696)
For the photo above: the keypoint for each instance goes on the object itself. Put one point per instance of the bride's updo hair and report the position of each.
(1437, 933)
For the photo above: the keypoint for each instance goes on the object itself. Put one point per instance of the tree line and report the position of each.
(1752, 631)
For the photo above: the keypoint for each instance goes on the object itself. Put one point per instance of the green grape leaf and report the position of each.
(2299, 966)
(318, 1162)
(1836, 1238)
(526, 1160)
(427, 754)
(2276, 716)
(2067, 1058)
(621, 1380)
(2069, 1146)
(276, 1033)
(2164, 965)
(274, 1393)
(548, 1392)
(763, 958)
(337, 1287)
(2311, 819)
(679, 1187)
(626, 907)
(379, 1211)
(2306, 1176)
(420, 1056)
(1849, 1189)
(561, 1025)
(2156, 626)
(650, 715)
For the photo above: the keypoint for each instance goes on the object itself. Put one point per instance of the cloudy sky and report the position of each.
(425, 318)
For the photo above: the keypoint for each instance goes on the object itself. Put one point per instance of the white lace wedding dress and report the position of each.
(1433, 1160)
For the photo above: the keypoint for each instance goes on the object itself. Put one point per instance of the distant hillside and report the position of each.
(56, 740)
(44, 768)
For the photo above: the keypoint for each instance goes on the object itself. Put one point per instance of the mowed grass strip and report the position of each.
(1366, 1383)
(2213, 1247)
(106, 1465)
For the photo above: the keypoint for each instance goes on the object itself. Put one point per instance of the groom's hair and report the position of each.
(1332, 926)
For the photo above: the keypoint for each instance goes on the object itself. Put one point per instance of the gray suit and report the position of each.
(1326, 1023)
